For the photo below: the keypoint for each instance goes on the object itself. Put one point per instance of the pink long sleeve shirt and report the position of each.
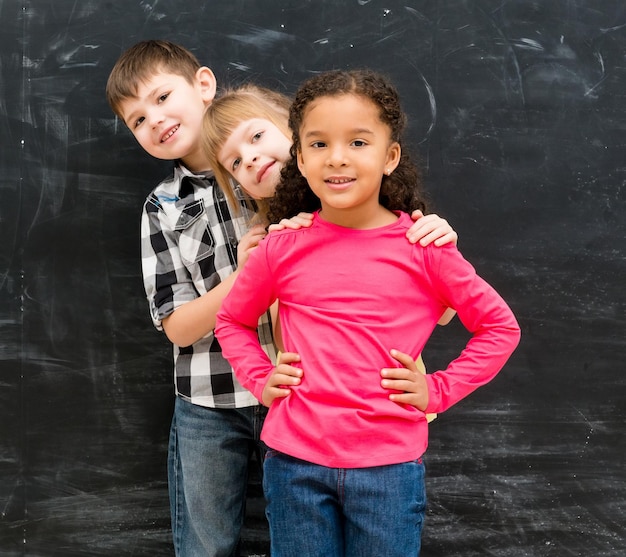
(346, 298)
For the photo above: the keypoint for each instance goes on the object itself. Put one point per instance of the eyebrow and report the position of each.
(248, 126)
(129, 117)
(356, 131)
(149, 95)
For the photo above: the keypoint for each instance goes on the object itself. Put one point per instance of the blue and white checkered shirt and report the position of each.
(188, 246)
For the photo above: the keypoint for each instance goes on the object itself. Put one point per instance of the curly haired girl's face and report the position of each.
(345, 150)
(254, 154)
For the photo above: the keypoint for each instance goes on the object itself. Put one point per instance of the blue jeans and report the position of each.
(315, 511)
(209, 452)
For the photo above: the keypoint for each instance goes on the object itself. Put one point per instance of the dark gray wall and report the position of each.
(518, 111)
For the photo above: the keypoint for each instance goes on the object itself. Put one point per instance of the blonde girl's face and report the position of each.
(254, 154)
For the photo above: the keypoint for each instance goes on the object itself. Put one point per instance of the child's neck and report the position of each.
(358, 218)
(196, 163)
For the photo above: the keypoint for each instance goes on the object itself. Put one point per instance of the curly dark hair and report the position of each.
(401, 191)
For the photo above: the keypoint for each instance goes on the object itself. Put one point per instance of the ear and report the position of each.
(205, 79)
(393, 157)
(300, 163)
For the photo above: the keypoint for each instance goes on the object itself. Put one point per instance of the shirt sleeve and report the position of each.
(167, 283)
(495, 331)
(236, 329)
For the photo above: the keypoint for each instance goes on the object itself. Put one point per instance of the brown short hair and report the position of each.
(140, 62)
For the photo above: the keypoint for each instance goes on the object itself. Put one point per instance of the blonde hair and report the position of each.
(226, 113)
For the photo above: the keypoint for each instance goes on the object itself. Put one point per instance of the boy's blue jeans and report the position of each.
(209, 452)
(343, 512)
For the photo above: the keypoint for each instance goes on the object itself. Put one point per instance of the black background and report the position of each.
(518, 112)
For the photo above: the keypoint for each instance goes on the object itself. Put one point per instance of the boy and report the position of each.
(190, 257)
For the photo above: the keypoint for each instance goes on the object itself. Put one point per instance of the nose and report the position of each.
(249, 157)
(155, 117)
(336, 156)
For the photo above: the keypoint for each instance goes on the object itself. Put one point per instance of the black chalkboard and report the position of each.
(518, 111)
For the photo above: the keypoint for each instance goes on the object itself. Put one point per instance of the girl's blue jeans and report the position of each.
(315, 511)
(209, 454)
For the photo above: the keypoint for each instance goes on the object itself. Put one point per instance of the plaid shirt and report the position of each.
(188, 246)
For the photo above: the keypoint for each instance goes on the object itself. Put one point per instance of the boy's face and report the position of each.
(166, 116)
(254, 154)
(345, 150)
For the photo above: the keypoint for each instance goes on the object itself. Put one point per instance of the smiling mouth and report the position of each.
(339, 184)
(169, 134)
(338, 181)
(262, 171)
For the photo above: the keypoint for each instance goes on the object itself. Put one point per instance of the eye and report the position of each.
(162, 98)
(235, 165)
(318, 144)
(138, 122)
(257, 136)
(359, 143)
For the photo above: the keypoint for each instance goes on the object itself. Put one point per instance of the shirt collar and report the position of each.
(181, 172)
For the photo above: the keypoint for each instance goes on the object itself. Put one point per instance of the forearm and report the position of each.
(240, 346)
(484, 356)
(196, 319)
(237, 322)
